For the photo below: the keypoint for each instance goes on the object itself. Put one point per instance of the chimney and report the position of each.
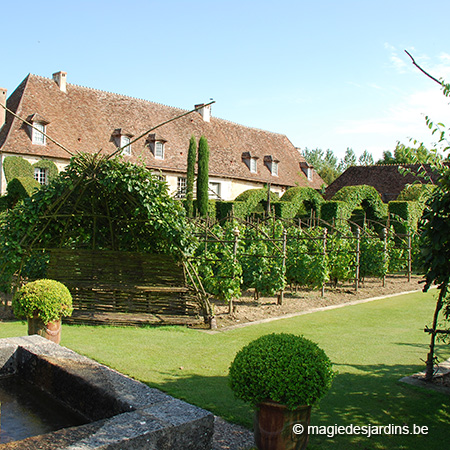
(60, 79)
(204, 111)
(3, 103)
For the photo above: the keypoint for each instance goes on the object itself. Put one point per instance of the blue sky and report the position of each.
(328, 74)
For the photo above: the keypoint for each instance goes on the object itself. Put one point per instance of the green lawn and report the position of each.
(372, 345)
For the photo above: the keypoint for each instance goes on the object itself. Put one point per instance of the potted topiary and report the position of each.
(43, 303)
(281, 376)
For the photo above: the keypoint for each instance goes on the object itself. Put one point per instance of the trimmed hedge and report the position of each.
(211, 207)
(366, 197)
(49, 165)
(298, 202)
(336, 212)
(20, 188)
(17, 167)
(416, 192)
(244, 204)
(405, 215)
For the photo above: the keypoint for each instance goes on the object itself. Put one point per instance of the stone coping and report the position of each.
(123, 413)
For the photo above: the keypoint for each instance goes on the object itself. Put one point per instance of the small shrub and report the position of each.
(284, 368)
(47, 299)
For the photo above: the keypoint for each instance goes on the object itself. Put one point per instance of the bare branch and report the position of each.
(423, 71)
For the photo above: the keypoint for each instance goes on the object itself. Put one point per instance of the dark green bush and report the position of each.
(284, 368)
(405, 215)
(336, 212)
(48, 299)
(15, 167)
(20, 188)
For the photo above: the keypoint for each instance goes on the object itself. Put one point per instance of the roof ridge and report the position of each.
(115, 93)
(162, 104)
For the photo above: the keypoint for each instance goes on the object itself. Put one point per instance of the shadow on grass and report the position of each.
(360, 395)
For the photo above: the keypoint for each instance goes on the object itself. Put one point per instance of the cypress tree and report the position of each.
(202, 177)
(191, 160)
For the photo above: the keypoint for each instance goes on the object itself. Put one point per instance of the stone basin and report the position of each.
(119, 412)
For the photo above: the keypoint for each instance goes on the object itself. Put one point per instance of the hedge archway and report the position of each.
(365, 197)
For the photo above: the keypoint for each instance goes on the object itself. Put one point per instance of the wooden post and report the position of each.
(409, 256)
(385, 252)
(325, 231)
(358, 238)
(281, 294)
(236, 233)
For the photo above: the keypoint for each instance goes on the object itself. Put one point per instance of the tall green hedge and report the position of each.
(405, 215)
(366, 197)
(297, 202)
(336, 212)
(17, 167)
(49, 165)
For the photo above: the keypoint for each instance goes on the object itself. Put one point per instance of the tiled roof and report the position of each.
(386, 179)
(84, 120)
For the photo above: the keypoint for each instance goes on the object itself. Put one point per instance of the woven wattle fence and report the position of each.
(123, 288)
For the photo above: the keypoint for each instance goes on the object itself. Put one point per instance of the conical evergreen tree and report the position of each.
(190, 177)
(202, 177)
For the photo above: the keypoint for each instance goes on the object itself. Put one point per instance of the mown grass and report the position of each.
(372, 345)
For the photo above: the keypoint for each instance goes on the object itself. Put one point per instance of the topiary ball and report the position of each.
(283, 368)
(47, 299)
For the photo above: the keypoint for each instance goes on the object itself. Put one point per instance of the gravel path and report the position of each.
(228, 436)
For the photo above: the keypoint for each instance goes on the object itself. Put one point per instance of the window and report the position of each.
(159, 150)
(125, 144)
(214, 190)
(274, 168)
(253, 165)
(181, 187)
(40, 175)
(36, 135)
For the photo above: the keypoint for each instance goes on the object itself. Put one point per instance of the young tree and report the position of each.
(190, 177)
(325, 165)
(435, 237)
(366, 159)
(348, 160)
(203, 177)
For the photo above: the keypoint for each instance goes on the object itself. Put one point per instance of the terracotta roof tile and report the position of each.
(84, 120)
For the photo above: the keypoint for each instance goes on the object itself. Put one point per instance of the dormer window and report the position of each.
(37, 136)
(250, 161)
(125, 144)
(156, 144)
(122, 139)
(307, 169)
(38, 129)
(159, 150)
(272, 164)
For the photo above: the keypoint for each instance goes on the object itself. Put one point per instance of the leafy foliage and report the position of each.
(284, 368)
(47, 299)
(97, 204)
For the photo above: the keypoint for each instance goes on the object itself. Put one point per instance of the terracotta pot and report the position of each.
(273, 426)
(51, 330)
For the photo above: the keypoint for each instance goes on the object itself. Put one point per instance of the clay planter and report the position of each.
(51, 330)
(273, 427)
